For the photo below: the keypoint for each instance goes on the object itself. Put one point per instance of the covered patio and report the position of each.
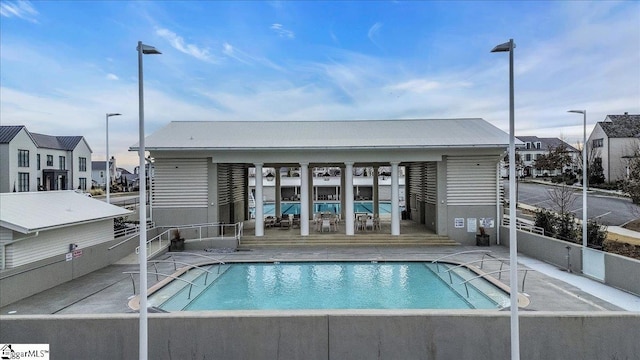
(451, 183)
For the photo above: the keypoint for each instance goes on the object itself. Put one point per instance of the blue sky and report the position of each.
(64, 64)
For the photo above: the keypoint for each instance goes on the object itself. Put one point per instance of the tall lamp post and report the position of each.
(108, 183)
(585, 179)
(142, 208)
(513, 241)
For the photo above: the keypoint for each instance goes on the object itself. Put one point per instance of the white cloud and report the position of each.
(21, 9)
(282, 32)
(112, 77)
(190, 49)
(373, 32)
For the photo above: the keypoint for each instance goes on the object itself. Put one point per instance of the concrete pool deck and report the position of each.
(548, 288)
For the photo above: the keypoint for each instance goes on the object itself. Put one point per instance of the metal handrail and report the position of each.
(458, 253)
(524, 226)
(493, 272)
(153, 262)
(167, 275)
(150, 225)
(161, 237)
(471, 262)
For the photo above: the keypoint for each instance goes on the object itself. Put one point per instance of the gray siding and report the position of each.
(56, 242)
(180, 183)
(471, 180)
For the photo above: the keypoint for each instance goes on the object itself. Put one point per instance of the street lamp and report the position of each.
(108, 183)
(513, 241)
(585, 178)
(142, 206)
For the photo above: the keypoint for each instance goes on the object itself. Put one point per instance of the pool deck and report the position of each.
(547, 287)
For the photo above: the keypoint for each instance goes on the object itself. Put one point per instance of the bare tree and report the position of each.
(631, 184)
(562, 198)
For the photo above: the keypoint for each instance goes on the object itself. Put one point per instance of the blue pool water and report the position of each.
(334, 285)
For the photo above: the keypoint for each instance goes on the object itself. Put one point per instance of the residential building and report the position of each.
(31, 161)
(615, 140)
(535, 147)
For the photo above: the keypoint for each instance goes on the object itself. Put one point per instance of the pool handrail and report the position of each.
(182, 263)
(458, 253)
(171, 276)
(471, 262)
(494, 272)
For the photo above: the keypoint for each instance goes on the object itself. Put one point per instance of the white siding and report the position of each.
(471, 180)
(180, 183)
(56, 242)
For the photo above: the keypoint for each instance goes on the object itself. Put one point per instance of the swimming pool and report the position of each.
(329, 285)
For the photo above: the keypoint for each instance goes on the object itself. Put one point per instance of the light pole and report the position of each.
(513, 241)
(585, 179)
(142, 206)
(108, 183)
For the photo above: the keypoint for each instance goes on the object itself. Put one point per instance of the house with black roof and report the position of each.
(534, 147)
(616, 140)
(31, 161)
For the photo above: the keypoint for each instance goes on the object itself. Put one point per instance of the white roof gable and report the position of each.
(27, 212)
(351, 134)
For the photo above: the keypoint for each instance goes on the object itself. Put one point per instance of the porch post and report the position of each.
(259, 201)
(395, 200)
(304, 199)
(348, 195)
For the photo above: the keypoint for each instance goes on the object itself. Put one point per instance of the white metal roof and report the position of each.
(350, 134)
(28, 212)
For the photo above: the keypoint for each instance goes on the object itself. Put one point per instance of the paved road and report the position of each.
(610, 210)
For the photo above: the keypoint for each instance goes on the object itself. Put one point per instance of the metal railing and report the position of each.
(495, 272)
(132, 232)
(524, 226)
(195, 232)
(437, 261)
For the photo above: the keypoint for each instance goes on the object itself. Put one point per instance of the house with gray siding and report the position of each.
(32, 162)
(615, 140)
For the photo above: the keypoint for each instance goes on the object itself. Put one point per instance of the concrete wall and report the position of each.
(553, 251)
(617, 270)
(24, 281)
(367, 334)
(467, 212)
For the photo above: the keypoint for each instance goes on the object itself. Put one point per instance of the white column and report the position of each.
(304, 199)
(259, 201)
(395, 200)
(348, 197)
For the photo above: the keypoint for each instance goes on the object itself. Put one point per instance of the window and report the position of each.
(82, 162)
(49, 160)
(38, 161)
(83, 184)
(62, 163)
(597, 143)
(527, 157)
(528, 145)
(538, 145)
(23, 158)
(23, 182)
